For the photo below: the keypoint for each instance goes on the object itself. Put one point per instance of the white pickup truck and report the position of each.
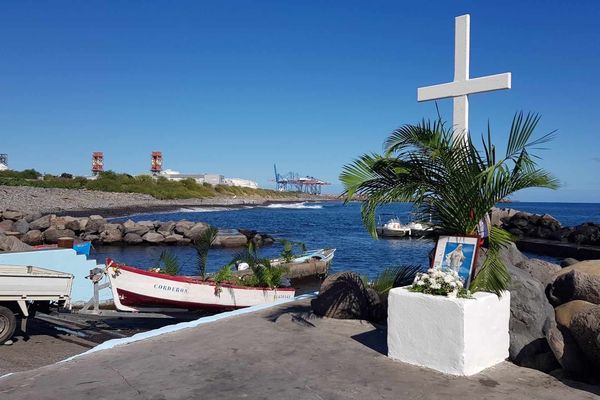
(25, 289)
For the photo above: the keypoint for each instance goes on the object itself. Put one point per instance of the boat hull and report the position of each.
(392, 232)
(138, 290)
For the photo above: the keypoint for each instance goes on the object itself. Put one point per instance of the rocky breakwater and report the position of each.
(37, 229)
(526, 225)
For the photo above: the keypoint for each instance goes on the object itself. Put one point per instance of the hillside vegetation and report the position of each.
(158, 187)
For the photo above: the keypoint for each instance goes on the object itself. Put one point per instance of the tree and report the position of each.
(452, 182)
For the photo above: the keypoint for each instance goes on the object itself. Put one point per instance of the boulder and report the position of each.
(33, 216)
(579, 281)
(131, 227)
(566, 351)
(149, 224)
(83, 223)
(567, 262)
(184, 241)
(501, 215)
(132, 238)
(529, 311)
(111, 234)
(153, 237)
(182, 227)
(51, 235)
(511, 255)
(111, 226)
(585, 328)
(11, 243)
(21, 226)
(72, 224)
(41, 223)
(6, 225)
(166, 228)
(33, 237)
(342, 295)
(173, 238)
(197, 230)
(95, 225)
(542, 271)
(566, 312)
(58, 223)
(91, 237)
(230, 240)
(96, 218)
(12, 215)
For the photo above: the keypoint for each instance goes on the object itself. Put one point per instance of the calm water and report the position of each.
(318, 225)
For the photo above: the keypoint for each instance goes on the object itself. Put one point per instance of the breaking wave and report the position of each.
(302, 205)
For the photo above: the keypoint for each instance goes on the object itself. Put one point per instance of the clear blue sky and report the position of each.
(234, 86)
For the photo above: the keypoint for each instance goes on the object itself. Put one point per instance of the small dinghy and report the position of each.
(135, 289)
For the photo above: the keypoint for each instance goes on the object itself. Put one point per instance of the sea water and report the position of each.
(317, 225)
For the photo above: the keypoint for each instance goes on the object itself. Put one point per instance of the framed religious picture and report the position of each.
(459, 254)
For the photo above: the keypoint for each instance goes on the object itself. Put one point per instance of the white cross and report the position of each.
(462, 85)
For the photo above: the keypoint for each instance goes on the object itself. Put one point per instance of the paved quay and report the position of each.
(282, 352)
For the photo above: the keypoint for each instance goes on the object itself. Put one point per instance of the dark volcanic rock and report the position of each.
(580, 281)
(585, 328)
(542, 271)
(6, 225)
(197, 230)
(41, 223)
(131, 227)
(343, 295)
(33, 237)
(11, 243)
(153, 237)
(529, 311)
(21, 226)
(111, 235)
(132, 238)
(566, 351)
(51, 235)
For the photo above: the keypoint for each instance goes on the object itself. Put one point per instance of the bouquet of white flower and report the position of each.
(442, 283)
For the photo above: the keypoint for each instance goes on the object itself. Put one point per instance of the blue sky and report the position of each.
(234, 86)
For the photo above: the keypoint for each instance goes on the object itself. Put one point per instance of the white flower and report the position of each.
(452, 284)
(452, 294)
(420, 283)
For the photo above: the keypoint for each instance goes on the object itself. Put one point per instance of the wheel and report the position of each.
(8, 324)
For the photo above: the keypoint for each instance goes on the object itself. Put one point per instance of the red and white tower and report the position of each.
(156, 162)
(97, 163)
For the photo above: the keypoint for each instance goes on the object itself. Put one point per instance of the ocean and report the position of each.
(317, 225)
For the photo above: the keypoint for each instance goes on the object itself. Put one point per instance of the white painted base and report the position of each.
(453, 336)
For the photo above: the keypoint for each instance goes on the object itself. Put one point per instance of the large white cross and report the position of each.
(462, 86)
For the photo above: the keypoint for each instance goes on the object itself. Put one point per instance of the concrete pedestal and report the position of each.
(453, 336)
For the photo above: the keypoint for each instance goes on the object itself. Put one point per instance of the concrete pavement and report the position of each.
(277, 353)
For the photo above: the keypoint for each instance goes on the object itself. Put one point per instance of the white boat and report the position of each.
(393, 228)
(139, 290)
(320, 255)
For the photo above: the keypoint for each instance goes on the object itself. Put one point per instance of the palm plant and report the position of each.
(168, 263)
(202, 245)
(392, 277)
(452, 182)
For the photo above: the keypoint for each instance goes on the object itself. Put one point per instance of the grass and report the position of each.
(160, 188)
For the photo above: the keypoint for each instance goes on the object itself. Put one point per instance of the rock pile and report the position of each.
(526, 225)
(35, 229)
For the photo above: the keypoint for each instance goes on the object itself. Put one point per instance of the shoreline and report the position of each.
(79, 203)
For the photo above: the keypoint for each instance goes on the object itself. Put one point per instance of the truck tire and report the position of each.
(8, 324)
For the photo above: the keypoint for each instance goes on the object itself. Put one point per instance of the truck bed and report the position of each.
(33, 283)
